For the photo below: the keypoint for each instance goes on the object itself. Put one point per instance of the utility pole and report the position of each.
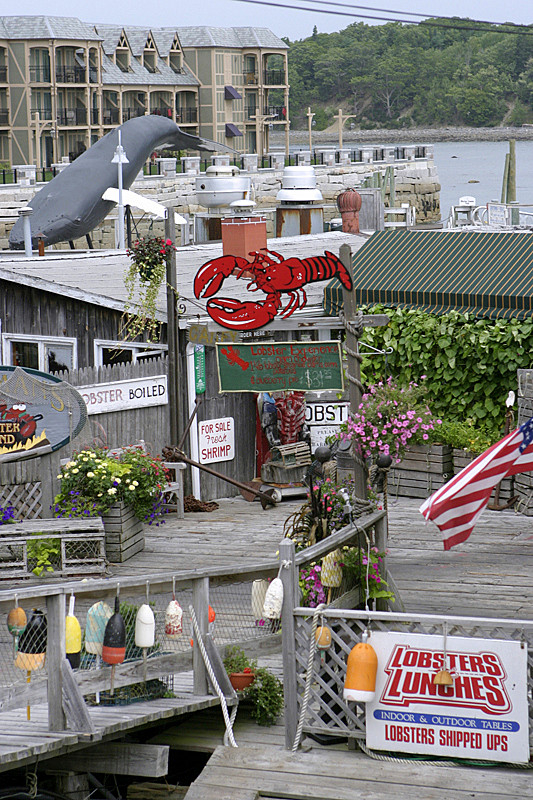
(310, 127)
(174, 378)
(342, 119)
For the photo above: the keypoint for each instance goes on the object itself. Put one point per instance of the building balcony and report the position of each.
(3, 74)
(250, 78)
(4, 117)
(39, 74)
(44, 113)
(131, 113)
(274, 77)
(93, 75)
(186, 115)
(72, 116)
(279, 113)
(163, 111)
(72, 74)
(95, 117)
(110, 116)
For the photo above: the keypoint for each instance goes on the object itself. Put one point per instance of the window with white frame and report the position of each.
(45, 353)
(116, 352)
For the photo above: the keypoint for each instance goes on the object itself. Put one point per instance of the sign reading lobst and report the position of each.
(482, 714)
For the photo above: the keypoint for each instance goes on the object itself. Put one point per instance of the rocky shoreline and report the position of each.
(417, 135)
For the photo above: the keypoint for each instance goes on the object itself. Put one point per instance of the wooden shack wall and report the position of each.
(31, 311)
(36, 479)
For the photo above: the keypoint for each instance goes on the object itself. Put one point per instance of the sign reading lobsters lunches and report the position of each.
(39, 413)
(483, 714)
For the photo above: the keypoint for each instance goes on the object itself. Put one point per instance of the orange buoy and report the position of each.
(361, 670)
(323, 637)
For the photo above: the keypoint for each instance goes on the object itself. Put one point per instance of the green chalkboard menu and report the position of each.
(279, 366)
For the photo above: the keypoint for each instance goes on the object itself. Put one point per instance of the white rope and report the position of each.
(308, 677)
(227, 720)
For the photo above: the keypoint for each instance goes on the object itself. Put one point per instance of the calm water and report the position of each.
(458, 163)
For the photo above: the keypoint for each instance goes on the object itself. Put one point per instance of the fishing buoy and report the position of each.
(32, 646)
(259, 590)
(331, 573)
(173, 620)
(361, 670)
(114, 644)
(443, 678)
(211, 617)
(273, 600)
(16, 621)
(323, 637)
(72, 636)
(97, 618)
(145, 632)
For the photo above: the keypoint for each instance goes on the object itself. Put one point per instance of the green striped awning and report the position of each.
(485, 274)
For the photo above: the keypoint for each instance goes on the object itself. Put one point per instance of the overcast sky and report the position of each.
(284, 22)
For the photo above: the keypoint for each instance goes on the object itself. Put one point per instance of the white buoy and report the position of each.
(273, 600)
(259, 590)
(173, 620)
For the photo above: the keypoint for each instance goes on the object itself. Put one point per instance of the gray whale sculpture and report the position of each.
(71, 204)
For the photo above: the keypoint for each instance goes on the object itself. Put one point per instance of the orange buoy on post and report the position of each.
(361, 670)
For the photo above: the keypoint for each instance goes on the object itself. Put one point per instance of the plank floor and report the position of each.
(490, 575)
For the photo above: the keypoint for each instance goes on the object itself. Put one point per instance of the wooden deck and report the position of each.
(489, 576)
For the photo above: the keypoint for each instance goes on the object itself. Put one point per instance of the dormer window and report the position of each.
(150, 55)
(175, 56)
(123, 55)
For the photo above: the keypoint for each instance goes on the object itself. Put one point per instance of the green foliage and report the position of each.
(94, 480)
(359, 564)
(43, 554)
(469, 364)
(236, 660)
(465, 435)
(438, 76)
(266, 696)
(144, 278)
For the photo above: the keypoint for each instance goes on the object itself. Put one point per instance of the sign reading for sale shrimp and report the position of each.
(483, 714)
(279, 366)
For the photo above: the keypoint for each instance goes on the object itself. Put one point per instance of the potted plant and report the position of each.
(150, 256)
(263, 691)
(240, 669)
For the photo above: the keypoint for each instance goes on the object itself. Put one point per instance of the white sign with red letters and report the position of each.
(216, 440)
(483, 715)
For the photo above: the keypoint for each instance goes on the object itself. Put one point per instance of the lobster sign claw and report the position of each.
(212, 274)
(270, 273)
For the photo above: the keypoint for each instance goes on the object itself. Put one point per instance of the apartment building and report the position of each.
(64, 83)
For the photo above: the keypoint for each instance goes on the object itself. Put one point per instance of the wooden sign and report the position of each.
(38, 413)
(102, 398)
(280, 366)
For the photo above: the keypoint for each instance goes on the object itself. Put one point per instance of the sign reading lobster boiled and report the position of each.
(270, 273)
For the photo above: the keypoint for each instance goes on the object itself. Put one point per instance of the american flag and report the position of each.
(457, 505)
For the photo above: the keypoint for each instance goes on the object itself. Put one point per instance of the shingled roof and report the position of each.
(46, 28)
(206, 36)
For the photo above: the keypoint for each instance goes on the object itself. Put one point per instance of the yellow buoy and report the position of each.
(361, 670)
(72, 636)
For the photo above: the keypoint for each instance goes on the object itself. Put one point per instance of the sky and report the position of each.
(283, 22)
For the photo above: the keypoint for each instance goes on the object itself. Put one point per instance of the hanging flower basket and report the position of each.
(150, 256)
(241, 680)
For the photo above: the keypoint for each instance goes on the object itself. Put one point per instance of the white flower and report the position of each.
(117, 480)
(74, 471)
(85, 459)
(60, 476)
(70, 464)
(112, 491)
(131, 488)
(90, 474)
(135, 483)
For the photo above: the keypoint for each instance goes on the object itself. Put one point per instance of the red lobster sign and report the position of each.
(270, 273)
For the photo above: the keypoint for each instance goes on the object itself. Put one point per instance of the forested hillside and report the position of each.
(402, 75)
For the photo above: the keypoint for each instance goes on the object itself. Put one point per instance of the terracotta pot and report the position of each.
(240, 680)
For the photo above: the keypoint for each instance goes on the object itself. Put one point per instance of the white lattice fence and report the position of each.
(327, 712)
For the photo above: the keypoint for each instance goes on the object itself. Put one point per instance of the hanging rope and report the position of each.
(227, 719)
(308, 677)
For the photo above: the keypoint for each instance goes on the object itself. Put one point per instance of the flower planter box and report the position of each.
(124, 533)
(78, 548)
(422, 471)
(508, 487)
(241, 680)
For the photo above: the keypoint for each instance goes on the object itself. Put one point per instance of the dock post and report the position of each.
(200, 601)
(289, 578)
(55, 653)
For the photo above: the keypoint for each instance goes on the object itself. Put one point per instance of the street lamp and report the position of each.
(310, 122)
(120, 158)
(39, 128)
(260, 120)
(342, 119)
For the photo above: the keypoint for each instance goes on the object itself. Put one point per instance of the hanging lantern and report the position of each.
(72, 636)
(323, 637)
(259, 590)
(360, 683)
(273, 600)
(32, 643)
(173, 620)
(145, 627)
(16, 621)
(97, 618)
